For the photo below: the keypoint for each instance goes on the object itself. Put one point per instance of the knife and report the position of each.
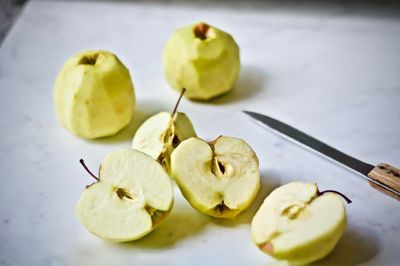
(383, 177)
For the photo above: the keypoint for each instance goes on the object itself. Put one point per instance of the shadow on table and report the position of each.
(268, 184)
(353, 248)
(143, 110)
(183, 222)
(250, 83)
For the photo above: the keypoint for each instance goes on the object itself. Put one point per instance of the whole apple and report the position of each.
(203, 59)
(94, 95)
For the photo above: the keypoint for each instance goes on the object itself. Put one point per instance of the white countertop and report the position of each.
(331, 71)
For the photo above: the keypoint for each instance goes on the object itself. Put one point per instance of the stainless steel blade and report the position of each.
(315, 145)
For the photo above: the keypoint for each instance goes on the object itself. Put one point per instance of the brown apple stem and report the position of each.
(212, 158)
(87, 169)
(200, 31)
(337, 192)
(179, 100)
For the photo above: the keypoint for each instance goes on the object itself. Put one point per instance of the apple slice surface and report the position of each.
(159, 135)
(298, 224)
(133, 195)
(149, 138)
(220, 178)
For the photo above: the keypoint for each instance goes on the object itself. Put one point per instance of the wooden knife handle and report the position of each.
(388, 175)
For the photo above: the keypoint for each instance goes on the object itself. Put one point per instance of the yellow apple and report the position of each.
(133, 195)
(220, 179)
(299, 224)
(94, 95)
(203, 59)
(159, 135)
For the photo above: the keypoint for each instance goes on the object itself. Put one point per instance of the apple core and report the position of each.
(90, 59)
(122, 193)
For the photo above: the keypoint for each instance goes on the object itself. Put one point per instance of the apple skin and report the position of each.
(94, 95)
(298, 224)
(206, 68)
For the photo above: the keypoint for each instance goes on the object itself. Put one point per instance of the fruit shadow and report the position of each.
(353, 248)
(250, 83)
(143, 110)
(268, 184)
(183, 222)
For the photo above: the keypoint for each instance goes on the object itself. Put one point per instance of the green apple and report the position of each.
(203, 59)
(299, 224)
(220, 178)
(133, 194)
(94, 95)
(159, 135)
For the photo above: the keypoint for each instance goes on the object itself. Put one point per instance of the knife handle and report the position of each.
(388, 175)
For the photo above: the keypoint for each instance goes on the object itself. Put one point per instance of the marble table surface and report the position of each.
(332, 71)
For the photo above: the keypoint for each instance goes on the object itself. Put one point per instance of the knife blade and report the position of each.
(384, 177)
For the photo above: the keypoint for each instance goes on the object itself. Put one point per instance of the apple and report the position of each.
(220, 178)
(94, 95)
(203, 59)
(132, 195)
(160, 134)
(299, 224)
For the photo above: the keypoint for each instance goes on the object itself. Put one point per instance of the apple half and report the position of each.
(299, 224)
(160, 134)
(220, 178)
(133, 194)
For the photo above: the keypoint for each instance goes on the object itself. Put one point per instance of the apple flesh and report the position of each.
(203, 59)
(299, 224)
(160, 134)
(94, 95)
(133, 194)
(220, 178)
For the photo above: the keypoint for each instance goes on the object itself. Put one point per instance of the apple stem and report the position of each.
(200, 31)
(179, 100)
(87, 169)
(337, 192)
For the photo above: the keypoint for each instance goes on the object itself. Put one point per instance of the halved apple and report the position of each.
(298, 223)
(220, 178)
(133, 194)
(159, 135)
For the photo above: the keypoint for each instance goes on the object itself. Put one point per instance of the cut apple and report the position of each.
(132, 195)
(299, 224)
(220, 178)
(159, 135)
